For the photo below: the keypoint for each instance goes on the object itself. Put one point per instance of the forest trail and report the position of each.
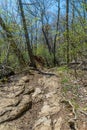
(34, 102)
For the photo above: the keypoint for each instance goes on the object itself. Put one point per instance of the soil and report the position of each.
(59, 109)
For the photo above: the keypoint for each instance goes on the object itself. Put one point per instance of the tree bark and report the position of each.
(10, 37)
(57, 28)
(47, 41)
(84, 11)
(26, 35)
(67, 29)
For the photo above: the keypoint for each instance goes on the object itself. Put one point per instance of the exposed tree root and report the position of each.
(83, 112)
(72, 122)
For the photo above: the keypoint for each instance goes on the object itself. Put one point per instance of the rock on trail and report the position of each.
(33, 102)
(47, 118)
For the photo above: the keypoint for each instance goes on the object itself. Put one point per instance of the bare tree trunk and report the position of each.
(7, 54)
(73, 13)
(26, 35)
(57, 28)
(36, 26)
(10, 37)
(47, 41)
(67, 29)
(73, 30)
(84, 11)
(45, 35)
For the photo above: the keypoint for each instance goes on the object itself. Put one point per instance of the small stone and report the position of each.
(43, 124)
(37, 92)
(58, 124)
(7, 127)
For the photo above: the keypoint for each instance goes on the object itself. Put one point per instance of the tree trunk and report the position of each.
(57, 28)
(27, 35)
(67, 29)
(47, 41)
(84, 11)
(10, 37)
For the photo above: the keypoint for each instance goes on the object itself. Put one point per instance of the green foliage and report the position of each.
(77, 35)
(62, 69)
(77, 43)
(85, 108)
(75, 104)
(67, 88)
(64, 80)
(2, 51)
(61, 52)
(25, 55)
(43, 51)
(84, 6)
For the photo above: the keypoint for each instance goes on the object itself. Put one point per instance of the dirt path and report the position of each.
(35, 102)
(49, 117)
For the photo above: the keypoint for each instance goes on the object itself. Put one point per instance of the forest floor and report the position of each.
(54, 100)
